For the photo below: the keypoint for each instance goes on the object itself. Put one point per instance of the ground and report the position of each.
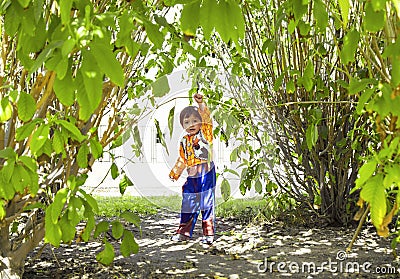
(241, 250)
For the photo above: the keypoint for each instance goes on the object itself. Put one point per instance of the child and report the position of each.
(198, 192)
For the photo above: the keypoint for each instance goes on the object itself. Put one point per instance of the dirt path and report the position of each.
(240, 251)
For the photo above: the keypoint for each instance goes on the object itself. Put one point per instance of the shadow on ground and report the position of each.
(240, 251)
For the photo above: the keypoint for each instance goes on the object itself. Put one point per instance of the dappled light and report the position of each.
(240, 251)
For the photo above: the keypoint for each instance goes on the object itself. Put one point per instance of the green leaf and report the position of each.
(58, 204)
(238, 24)
(7, 190)
(44, 55)
(65, 88)
(350, 44)
(8, 170)
(2, 210)
(74, 210)
(321, 15)
(82, 156)
(356, 85)
(90, 223)
(225, 189)
(29, 162)
(392, 175)
(364, 98)
(75, 132)
(290, 87)
(258, 186)
(96, 148)
(67, 47)
(344, 9)
(128, 245)
(114, 171)
(62, 67)
(89, 95)
(299, 9)
(26, 130)
(373, 21)
(124, 183)
(154, 34)
(58, 142)
(160, 87)
(308, 76)
(12, 18)
(292, 26)
(8, 153)
(131, 218)
(47, 148)
(90, 200)
(232, 171)
(65, 11)
(34, 183)
(136, 136)
(365, 172)
(34, 206)
(160, 135)
(190, 19)
(311, 135)
(5, 110)
(374, 192)
(304, 28)
(208, 11)
(20, 179)
(26, 106)
(223, 22)
(53, 231)
(101, 227)
(106, 256)
(39, 138)
(395, 72)
(107, 62)
(68, 230)
(171, 121)
(117, 229)
(24, 3)
(378, 5)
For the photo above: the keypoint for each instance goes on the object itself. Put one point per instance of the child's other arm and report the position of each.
(177, 169)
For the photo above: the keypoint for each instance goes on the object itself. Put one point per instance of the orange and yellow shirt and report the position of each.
(195, 149)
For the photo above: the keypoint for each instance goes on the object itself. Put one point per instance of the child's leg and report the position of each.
(190, 208)
(207, 203)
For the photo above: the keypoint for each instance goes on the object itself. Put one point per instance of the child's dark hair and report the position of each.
(187, 112)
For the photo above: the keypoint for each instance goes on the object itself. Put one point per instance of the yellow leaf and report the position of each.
(360, 202)
(383, 229)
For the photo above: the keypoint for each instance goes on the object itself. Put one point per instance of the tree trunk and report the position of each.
(13, 256)
(11, 268)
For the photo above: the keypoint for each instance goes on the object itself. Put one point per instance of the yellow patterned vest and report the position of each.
(196, 149)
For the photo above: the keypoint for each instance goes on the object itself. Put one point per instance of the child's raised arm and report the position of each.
(206, 127)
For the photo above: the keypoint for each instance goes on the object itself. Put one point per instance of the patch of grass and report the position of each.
(171, 203)
(113, 206)
(244, 209)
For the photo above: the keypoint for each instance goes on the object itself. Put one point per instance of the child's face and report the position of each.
(192, 124)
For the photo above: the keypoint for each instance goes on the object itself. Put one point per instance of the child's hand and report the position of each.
(198, 98)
